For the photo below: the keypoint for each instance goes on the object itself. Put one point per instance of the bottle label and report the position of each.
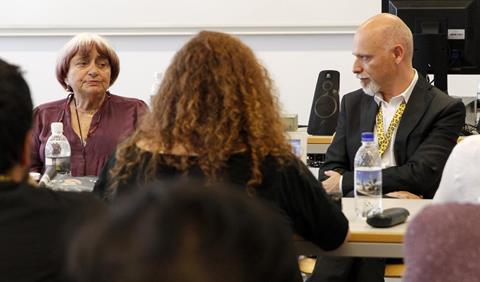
(61, 164)
(368, 191)
(56, 148)
(368, 181)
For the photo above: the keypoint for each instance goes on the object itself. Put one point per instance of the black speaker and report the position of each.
(325, 105)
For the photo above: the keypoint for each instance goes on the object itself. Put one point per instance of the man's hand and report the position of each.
(403, 195)
(332, 183)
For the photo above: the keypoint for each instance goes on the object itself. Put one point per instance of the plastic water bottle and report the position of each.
(368, 178)
(57, 151)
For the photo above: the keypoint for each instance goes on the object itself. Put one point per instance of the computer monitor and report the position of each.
(298, 141)
(446, 35)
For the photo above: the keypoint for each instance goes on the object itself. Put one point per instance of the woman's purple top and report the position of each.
(116, 119)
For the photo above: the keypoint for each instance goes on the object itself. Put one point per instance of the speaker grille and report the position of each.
(325, 105)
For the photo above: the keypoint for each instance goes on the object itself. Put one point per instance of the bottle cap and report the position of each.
(367, 136)
(57, 127)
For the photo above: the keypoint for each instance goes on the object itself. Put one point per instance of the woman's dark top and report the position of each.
(35, 228)
(291, 187)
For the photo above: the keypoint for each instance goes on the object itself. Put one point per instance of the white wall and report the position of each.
(294, 55)
(294, 62)
(165, 14)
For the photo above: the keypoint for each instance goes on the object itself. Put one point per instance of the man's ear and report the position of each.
(25, 158)
(399, 53)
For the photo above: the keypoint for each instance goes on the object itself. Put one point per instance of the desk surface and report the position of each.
(367, 241)
(360, 231)
(327, 139)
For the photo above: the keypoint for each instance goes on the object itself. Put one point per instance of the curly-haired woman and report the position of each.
(215, 117)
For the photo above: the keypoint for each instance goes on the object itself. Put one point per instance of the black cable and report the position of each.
(78, 121)
(469, 129)
(81, 136)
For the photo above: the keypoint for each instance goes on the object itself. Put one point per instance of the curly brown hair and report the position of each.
(215, 100)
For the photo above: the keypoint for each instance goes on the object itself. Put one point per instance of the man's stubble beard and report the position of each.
(371, 88)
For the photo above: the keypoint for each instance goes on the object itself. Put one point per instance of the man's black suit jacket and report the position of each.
(426, 135)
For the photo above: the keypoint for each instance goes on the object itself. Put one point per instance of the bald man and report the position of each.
(418, 123)
(424, 122)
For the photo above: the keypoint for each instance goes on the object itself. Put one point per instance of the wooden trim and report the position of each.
(394, 270)
(319, 139)
(375, 237)
(326, 139)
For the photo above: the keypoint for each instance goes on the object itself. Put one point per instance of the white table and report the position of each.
(367, 241)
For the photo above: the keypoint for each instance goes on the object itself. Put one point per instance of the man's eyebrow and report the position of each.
(361, 54)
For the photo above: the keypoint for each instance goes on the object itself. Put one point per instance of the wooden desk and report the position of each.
(319, 144)
(366, 241)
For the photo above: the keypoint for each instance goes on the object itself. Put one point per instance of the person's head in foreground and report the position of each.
(185, 232)
(16, 121)
(441, 244)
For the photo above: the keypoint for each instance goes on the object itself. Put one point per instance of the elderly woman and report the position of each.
(215, 118)
(94, 120)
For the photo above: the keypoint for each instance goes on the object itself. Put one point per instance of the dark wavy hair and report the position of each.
(173, 232)
(215, 100)
(15, 115)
